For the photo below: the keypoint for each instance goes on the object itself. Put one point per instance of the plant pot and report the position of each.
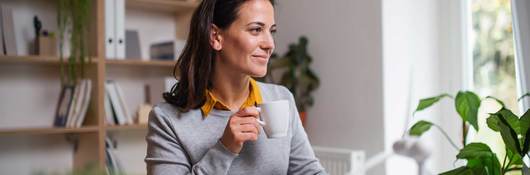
(303, 115)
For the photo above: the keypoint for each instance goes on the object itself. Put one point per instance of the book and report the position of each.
(110, 33)
(132, 45)
(115, 29)
(114, 102)
(113, 164)
(63, 105)
(121, 100)
(109, 112)
(75, 104)
(119, 9)
(81, 115)
(8, 29)
(2, 50)
(117, 103)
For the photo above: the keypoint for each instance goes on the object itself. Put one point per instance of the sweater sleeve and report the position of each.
(166, 155)
(302, 159)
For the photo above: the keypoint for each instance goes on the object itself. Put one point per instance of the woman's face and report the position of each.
(247, 44)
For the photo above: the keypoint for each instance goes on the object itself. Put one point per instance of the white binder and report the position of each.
(120, 29)
(110, 40)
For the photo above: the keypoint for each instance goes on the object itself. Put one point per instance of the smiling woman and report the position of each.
(209, 123)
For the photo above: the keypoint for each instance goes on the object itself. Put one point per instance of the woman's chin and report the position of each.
(259, 73)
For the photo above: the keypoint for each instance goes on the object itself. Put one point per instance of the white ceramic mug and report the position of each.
(274, 118)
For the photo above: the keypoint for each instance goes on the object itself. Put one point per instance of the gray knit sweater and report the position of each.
(187, 143)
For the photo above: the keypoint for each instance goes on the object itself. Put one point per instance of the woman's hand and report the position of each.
(241, 127)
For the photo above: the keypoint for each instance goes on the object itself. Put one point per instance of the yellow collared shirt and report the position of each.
(254, 98)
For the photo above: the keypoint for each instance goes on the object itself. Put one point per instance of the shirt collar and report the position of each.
(254, 98)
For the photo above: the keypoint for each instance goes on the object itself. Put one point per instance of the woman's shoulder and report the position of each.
(171, 112)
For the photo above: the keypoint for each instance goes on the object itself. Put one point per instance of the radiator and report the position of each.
(340, 161)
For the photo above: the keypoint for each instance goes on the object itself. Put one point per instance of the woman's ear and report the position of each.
(215, 38)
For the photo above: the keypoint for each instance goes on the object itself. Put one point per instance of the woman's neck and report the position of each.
(230, 87)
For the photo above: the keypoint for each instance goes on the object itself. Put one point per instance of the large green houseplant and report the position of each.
(481, 160)
(296, 74)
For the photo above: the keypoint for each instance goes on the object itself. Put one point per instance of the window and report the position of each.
(493, 62)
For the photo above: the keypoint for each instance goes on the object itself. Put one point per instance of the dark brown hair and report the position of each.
(195, 64)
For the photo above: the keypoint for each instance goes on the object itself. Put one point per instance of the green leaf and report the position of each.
(509, 136)
(524, 125)
(512, 120)
(467, 104)
(427, 102)
(480, 158)
(419, 128)
(516, 158)
(459, 171)
(492, 122)
(475, 151)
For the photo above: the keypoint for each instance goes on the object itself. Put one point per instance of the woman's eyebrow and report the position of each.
(260, 24)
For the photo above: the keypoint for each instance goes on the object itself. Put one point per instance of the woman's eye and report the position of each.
(256, 30)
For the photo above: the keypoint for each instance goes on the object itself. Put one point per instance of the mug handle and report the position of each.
(262, 123)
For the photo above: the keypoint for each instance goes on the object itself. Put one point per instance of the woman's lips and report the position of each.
(262, 58)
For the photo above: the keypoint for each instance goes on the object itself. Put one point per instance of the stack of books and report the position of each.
(73, 104)
(115, 108)
(114, 166)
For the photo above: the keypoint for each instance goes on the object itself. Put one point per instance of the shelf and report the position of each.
(44, 131)
(176, 6)
(127, 127)
(45, 60)
(156, 63)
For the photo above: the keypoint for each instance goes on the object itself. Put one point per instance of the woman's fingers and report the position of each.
(248, 112)
(247, 122)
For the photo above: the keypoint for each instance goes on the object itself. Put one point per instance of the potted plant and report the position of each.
(295, 74)
(72, 21)
(515, 132)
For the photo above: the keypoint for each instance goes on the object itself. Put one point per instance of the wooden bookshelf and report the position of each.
(46, 131)
(90, 142)
(151, 63)
(44, 60)
(175, 6)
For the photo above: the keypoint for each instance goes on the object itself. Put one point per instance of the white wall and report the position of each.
(345, 40)
(426, 36)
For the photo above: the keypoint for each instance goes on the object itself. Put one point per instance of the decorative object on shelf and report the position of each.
(72, 19)
(45, 43)
(515, 132)
(132, 45)
(296, 75)
(168, 50)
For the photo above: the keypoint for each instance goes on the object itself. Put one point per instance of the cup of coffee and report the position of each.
(274, 118)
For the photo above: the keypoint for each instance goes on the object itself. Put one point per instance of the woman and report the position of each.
(208, 125)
